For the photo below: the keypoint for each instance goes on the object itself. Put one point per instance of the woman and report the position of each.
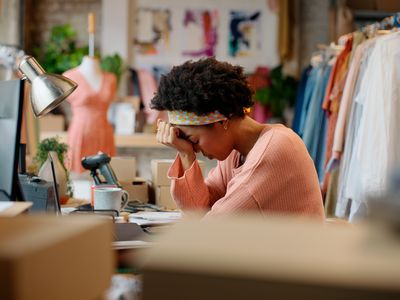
(261, 167)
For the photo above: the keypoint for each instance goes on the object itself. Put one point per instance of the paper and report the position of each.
(155, 217)
(120, 245)
(5, 205)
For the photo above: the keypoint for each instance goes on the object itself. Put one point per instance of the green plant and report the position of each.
(52, 144)
(279, 94)
(113, 64)
(61, 52)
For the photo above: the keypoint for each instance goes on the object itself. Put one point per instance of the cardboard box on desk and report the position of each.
(49, 257)
(124, 167)
(137, 189)
(164, 198)
(159, 170)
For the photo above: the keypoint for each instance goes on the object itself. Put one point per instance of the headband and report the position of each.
(179, 117)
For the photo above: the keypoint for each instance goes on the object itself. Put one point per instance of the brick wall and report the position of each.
(42, 15)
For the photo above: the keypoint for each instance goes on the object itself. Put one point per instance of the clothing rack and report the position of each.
(387, 23)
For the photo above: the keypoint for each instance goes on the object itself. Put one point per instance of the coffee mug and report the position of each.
(110, 198)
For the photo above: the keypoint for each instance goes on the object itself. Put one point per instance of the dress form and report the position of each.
(91, 70)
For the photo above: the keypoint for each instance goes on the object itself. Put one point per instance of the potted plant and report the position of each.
(279, 94)
(57, 150)
(61, 52)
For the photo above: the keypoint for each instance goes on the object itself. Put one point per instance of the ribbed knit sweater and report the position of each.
(277, 177)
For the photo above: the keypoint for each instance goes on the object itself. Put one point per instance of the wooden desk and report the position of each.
(16, 209)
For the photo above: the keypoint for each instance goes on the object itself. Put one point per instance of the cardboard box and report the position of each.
(124, 167)
(51, 123)
(246, 257)
(137, 189)
(164, 198)
(49, 257)
(159, 170)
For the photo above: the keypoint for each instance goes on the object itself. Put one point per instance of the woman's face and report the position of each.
(211, 140)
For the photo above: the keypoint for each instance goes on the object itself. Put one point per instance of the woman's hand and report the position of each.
(169, 135)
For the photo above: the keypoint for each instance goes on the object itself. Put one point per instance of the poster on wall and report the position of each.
(153, 35)
(200, 35)
(244, 33)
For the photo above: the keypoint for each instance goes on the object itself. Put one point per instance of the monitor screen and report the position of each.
(11, 103)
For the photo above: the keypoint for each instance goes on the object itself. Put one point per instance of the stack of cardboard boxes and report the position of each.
(162, 184)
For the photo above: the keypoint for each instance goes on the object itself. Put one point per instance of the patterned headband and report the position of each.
(179, 117)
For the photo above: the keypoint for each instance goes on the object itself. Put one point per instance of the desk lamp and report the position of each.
(48, 90)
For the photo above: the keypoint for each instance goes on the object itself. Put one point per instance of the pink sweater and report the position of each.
(278, 177)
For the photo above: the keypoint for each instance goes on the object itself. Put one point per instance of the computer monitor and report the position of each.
(11, 104)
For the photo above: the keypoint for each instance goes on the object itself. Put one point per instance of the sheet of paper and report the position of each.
(5, 205)
(120, 245)
(154, 217)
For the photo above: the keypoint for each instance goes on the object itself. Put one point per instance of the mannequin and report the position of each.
(89, 131)
(91, 70)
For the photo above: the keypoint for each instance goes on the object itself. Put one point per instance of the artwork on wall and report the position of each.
(153, 31)
(244, 33)
(200, 32)
(169, 32)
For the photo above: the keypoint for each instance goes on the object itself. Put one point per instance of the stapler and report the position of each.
(100, 163)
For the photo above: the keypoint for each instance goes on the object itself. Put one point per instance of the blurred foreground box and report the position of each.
(249, 257)
(49, 257)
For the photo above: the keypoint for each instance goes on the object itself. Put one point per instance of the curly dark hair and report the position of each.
(204, 86)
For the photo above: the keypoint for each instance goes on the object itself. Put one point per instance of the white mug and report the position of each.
(110, 198)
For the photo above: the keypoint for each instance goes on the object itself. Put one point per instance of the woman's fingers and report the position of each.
(168, 135)
(163, 133)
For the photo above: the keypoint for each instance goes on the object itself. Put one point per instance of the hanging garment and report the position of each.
(377, 145)
(347, 97)
(309, 89)
(90, 131)
(314, 135)
(332, 101)
(343, 202)
(300, 98)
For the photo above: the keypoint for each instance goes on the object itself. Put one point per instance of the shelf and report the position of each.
(139, 140)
